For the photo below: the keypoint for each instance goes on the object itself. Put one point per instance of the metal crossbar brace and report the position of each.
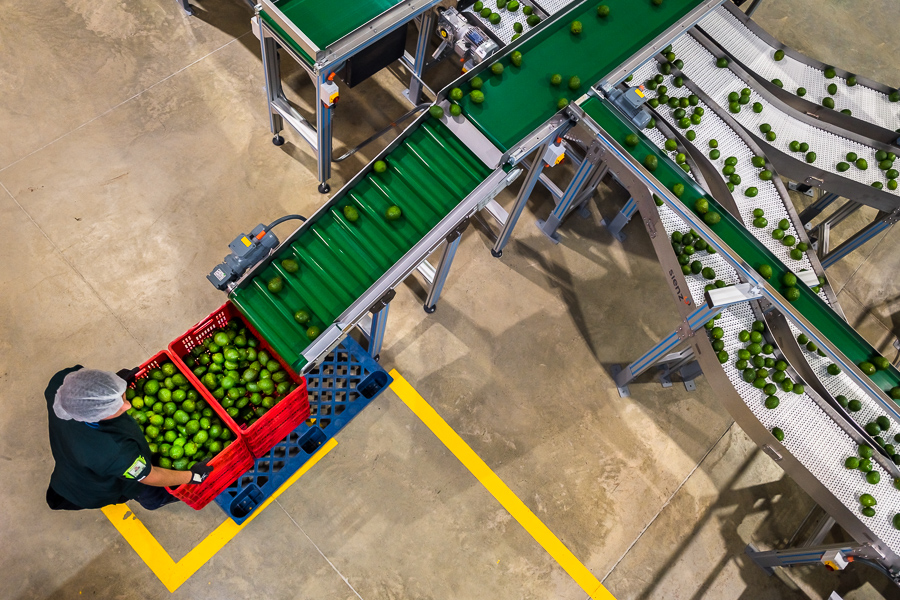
(531, 179)
(798, 556)
(622, 165)
(583, 176)
(881, 223)
(695, 321)
(815, 209)
(621, 220)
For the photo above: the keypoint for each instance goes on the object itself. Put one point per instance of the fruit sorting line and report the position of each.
(442, 170)
(829, 145)
(756, 50)
(822, 443)
(345, 265)
(771, 195)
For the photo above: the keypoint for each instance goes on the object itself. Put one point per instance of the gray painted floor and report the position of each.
(136, 145)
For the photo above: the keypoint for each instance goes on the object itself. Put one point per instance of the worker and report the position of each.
(101, 454)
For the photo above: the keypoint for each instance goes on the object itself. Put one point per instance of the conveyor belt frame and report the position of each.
(321, 65)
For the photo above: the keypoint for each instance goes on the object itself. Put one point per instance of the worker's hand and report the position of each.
(200, 472)
(128, 374)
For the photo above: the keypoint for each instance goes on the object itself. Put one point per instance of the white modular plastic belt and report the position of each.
(758, 56)
(712, 127)
(504, 29)
(811, 436)
(842, 385)
(551, 7)
(659, 140)
(830, 149)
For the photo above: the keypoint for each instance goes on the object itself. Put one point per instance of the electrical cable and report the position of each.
(877, 567)
(285, 218)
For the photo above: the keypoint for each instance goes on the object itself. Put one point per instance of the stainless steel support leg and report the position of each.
(830, 257)
(274, 92)
(441, 272)
(426, 24)
(324, 116)
(753, 6)
(815, 209)
(624, 375)
(580, 205)
(534, 173)
(585, 172)
(622, 219)
(376, 333)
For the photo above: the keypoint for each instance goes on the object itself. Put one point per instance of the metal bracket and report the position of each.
(689, 373)
(815, 181)
(382, 302)
(651, 229)
(595, 153)
(458, 230)
(684, 331)
(772, 453)
(893, 217)
(623, 390)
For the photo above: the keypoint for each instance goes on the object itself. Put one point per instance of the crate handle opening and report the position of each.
(372, 385)
(312, 439)
(247, 501)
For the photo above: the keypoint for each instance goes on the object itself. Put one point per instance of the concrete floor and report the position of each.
(136, 146)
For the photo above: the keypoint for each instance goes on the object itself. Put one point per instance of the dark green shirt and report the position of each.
(97, 464)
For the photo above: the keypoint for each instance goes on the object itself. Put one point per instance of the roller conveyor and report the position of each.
(744, 40)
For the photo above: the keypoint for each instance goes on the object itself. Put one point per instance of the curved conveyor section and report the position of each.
(775, 201)
(747, 42)
(505, 30)
(772, 198)
(439, 182)
(830, 148)
(812, 436)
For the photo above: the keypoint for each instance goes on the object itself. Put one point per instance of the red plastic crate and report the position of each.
(279, 420)
(228, 465)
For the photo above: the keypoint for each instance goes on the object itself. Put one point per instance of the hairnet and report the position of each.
(89, 395)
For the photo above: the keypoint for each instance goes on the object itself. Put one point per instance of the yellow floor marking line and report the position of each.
(521, 513)
(173, 574)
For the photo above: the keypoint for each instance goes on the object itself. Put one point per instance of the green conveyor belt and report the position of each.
(428, 175)
(521, 99)
(287, 39)
(326, 21)
(741, 241)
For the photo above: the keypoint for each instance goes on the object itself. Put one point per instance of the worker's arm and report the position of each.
(160, 477)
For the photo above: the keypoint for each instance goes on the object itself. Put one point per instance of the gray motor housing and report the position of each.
(631, 103)
(246, 251)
